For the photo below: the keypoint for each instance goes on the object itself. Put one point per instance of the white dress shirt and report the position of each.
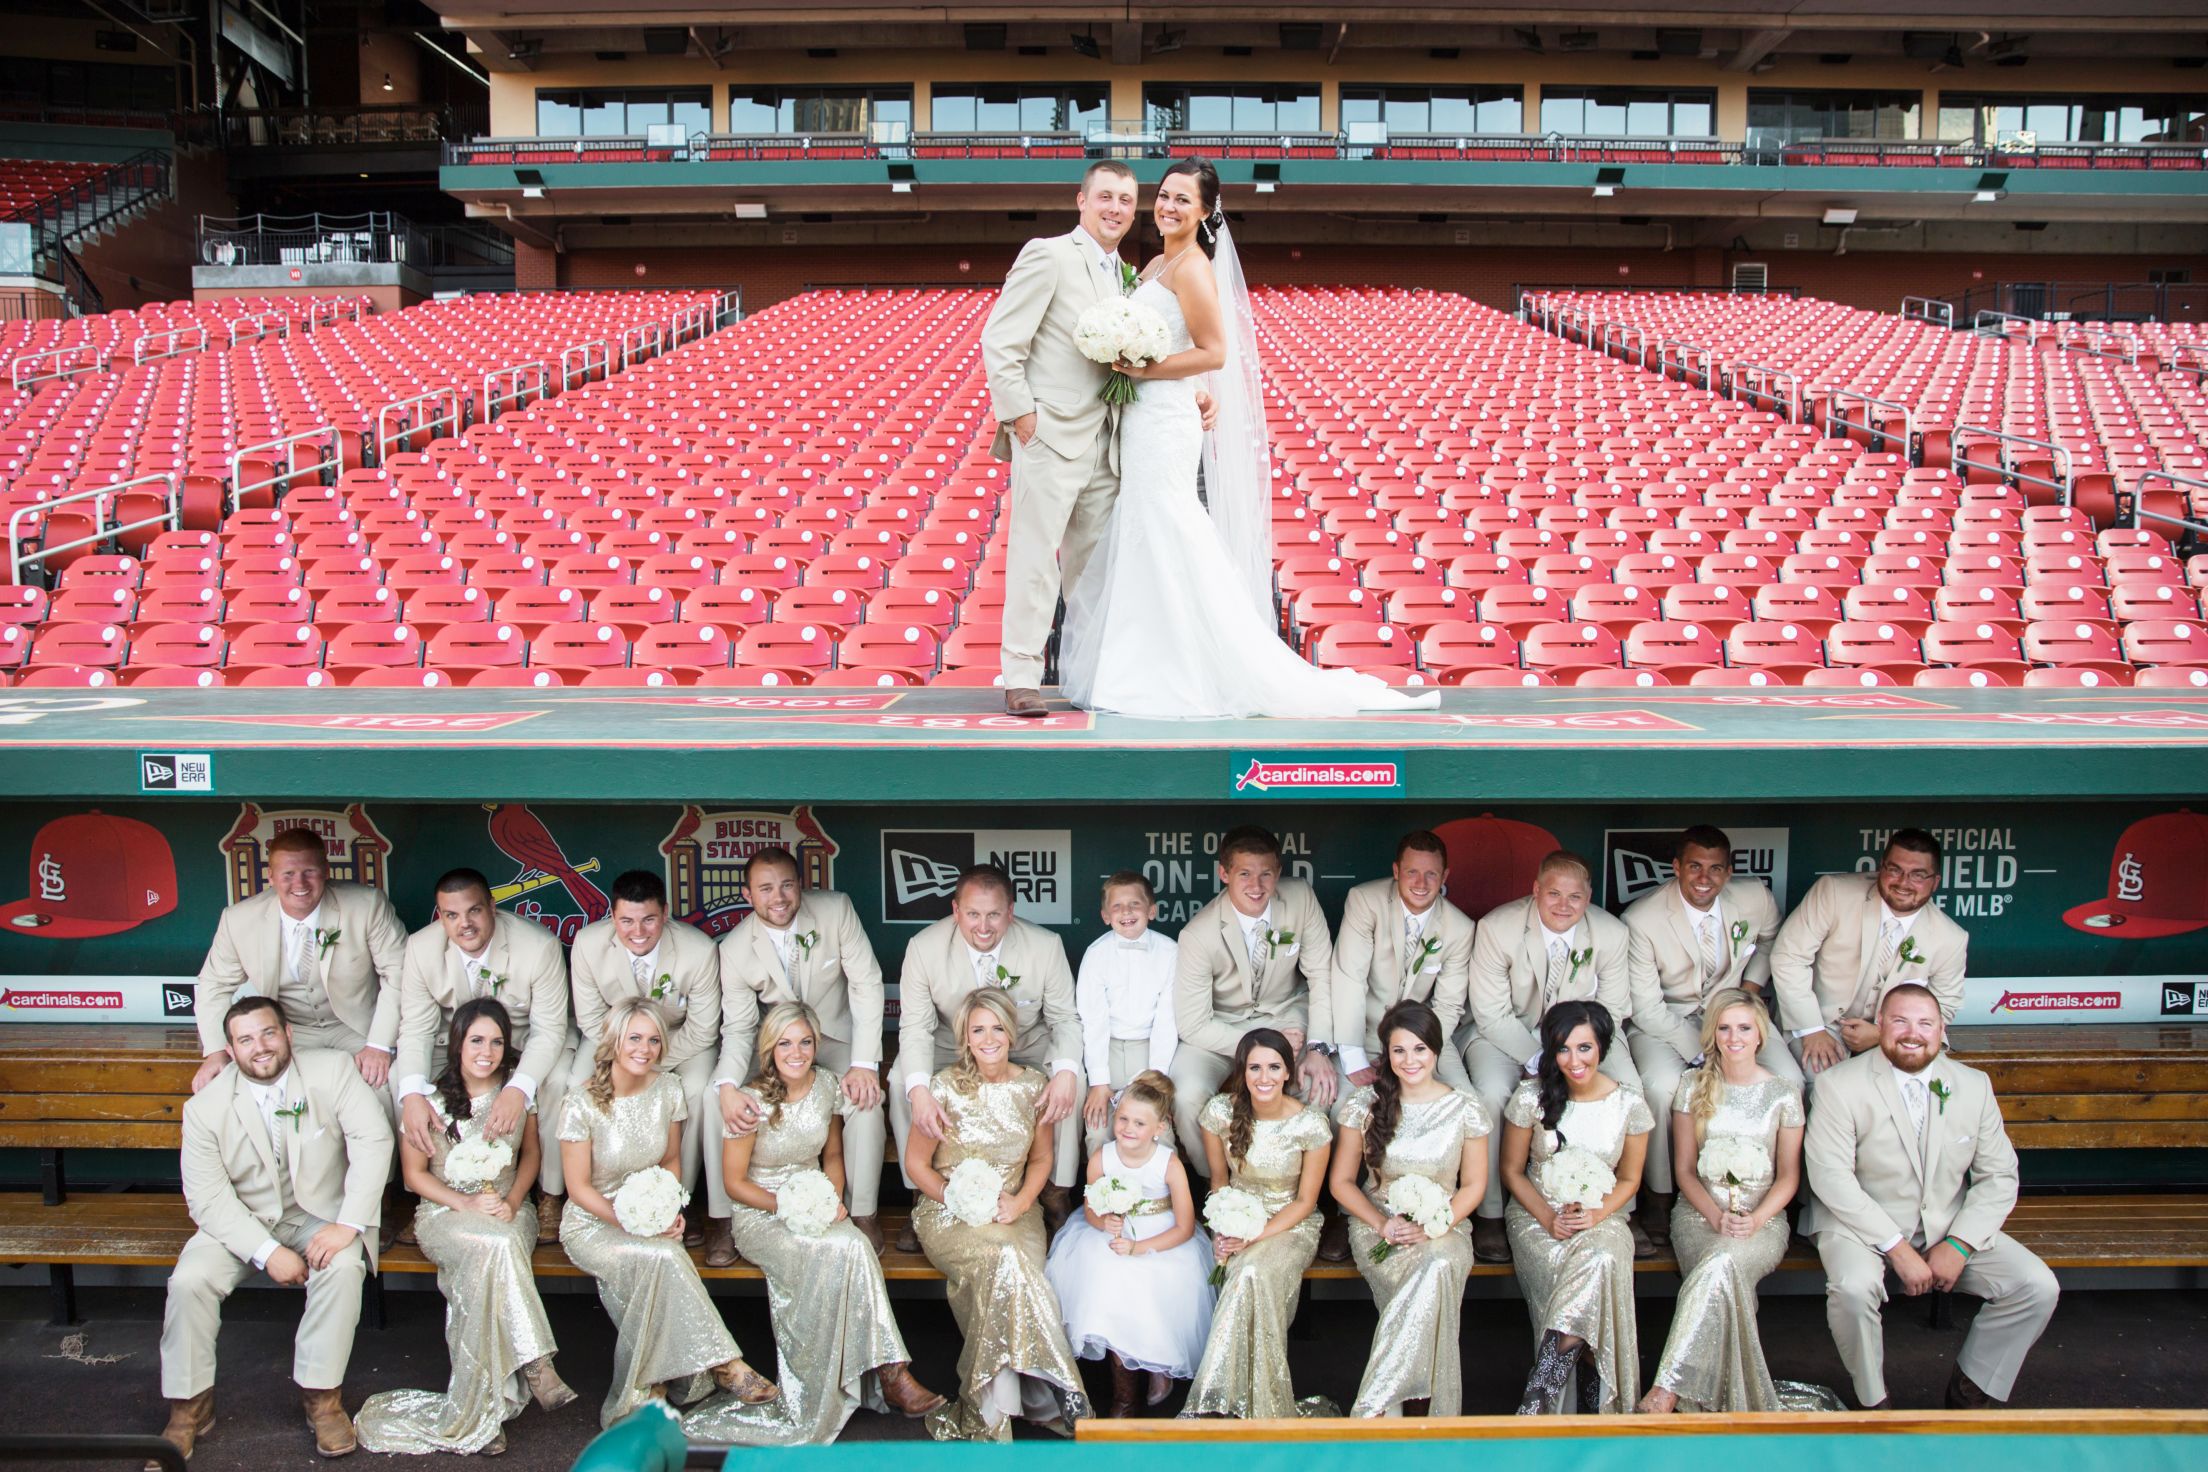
(1107, 259)
(1125, 991)
(1549, 940)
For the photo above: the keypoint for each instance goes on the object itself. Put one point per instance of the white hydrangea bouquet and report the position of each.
(1113, 1196)
(1119, 329)
(1233, 1212)
(806, 1203)
(474, 1163)
(972, 1190)
(1423, 1203)
(1731, 1162)
(1576, 1177)
(647, 1203)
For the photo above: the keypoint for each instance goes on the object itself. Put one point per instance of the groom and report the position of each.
(1051, 424)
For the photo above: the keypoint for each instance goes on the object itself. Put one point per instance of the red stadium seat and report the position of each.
(577, 647)
(684, 646)
(912, 647)
(786, 646)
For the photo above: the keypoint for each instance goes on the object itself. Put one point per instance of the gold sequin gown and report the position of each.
(1244, 1373)
(1419, 1291)
(1582, 1286)
(667, 1329)
(1713, 1360)
(993, 1275)
(832, 1324)
(494, 1321)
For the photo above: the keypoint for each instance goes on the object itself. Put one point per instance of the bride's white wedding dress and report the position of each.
(1159, 623)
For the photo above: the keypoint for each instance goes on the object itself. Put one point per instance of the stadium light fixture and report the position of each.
(1085, 45)
(751, 209)
(1265, 186)
(1985, 196)
(1605, 191)
(1167, 42)
(900, 186)
(1837, 216)
(528, 191)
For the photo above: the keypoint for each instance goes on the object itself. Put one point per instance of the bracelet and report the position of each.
(1963, 1248)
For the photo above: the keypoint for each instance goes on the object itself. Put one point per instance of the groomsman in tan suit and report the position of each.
(981, 943)
(1527, 956)
(329, 952)
(800, 946)
(1914, 1176)
(1257, 956)
(1401, 941)
(1853, 936)
(473, 950)
(636, 951)
(284, 1160)
(1691, 938)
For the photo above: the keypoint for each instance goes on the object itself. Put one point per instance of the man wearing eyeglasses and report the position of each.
(1856, 936)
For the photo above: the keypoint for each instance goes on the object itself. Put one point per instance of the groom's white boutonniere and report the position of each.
(1129, 277)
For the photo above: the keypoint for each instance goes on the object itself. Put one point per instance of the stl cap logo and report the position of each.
(2131, 879)
(51, 889)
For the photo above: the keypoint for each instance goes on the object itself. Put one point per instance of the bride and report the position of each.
(1173, 617)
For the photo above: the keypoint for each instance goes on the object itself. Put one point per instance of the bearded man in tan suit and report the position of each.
(1855, 935)
(636, 952)
(1914, 1174)
(981, 943)
(802, 946)
(1527, 956)
(1690, 939)
(284, 1160)
(471, 950)
(1400, 941)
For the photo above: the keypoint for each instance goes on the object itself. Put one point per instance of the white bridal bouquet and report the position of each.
(1233, 1212)
(1579, 1177)
(1731, 1162)
(474, 1163)
(807, 1203)
(1116, 329)
(1113, 1196)
(648, 1202)
(972, 1190)
(1420, 1201)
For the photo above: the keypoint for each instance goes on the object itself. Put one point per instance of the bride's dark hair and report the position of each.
(1207, 194)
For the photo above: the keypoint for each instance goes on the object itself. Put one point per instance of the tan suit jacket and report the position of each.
(937, 975)
(1664, 962)
(534, 991)
(1027, 346)
(1875, 1181)
(1371, 973)
(1217, 998)
(360, 970)
(837, 977)
(1510, 960)
(338, 1154)
(1821, 961)
(603, 980)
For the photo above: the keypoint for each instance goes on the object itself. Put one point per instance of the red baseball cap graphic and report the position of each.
(1493, 860)
(92, 874)
(2157, 881)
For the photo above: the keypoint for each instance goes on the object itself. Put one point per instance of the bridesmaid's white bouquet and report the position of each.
(1423, 1203)
(1116, 329)
(972, 1190)
(1233, 1212)
(1113, 1196)
(1576, 1177)
(1732, 1161)
(473, 1164)
(807, 1203)
(647, 1203)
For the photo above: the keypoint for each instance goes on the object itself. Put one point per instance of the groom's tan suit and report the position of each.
(1066, 477)
(1881, 1178)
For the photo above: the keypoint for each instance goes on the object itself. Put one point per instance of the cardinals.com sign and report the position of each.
(920, 869)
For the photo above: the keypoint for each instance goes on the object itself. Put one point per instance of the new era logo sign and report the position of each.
(176, 771)
(177, 1001)
(2181, 1000)
(920, 869)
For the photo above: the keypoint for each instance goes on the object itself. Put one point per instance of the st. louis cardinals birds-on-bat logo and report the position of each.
(541, 863)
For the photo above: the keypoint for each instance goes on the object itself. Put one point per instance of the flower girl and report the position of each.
(1132, 1272)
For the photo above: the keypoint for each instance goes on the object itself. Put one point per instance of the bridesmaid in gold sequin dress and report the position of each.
(1408, 1122)
(1261, 1138)
(495, 1331)
(670, 1337)
(1016, 1361)
(833, 1331)
(1575, 1263)
(1728, 1237)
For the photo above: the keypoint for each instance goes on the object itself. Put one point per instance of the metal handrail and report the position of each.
(97, 363)
(2139, 510)
(1665, 357)
(1619, 331)
(330, 310)
(2065, 482)
(1742, 378)
(689, 325)
(1989, 323)
(1838, 423)
(2199, 365)
(101, 498)
(289, 444)
(635, 341)
(730, 308)
(581, 353)
(259, 322)
(2068, 335)
(1928, 309)
(454, 420)
(174, 336)
(518, 376)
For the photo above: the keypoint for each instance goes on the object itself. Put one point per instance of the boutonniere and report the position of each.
(293, 1113)
(1940, 1092)
(1428, 948)
(663, 985)
(1578, 959)
(806, 942)
(1909, 955)
(1740, 934)
(483, 976)
(1279, 942)
(1129, 278)
(1010, 981)
(324, 939)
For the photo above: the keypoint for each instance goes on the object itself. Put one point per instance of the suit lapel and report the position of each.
(1889, 1092)
(1683, 928)
(1932, 1114)
(1388, 946)
(1230, 931)
(1084, 251)
(248, 1114)
(1867, 945)
(1535, 952)
(269, 931)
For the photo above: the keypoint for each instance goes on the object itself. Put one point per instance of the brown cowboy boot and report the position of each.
(1963, 1395)
(745, 1383)
(545, 1384)
(1655, 1218)
(548, 1218)
(1490, 1239)
(1057, 1202)
(908, 1236)
(905, 1395)
(333, 1429)
(189, 1420)
(720, 1246)
(1124, 1385)
(870, 1227)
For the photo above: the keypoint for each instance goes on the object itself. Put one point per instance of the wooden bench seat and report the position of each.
(2096, 1086)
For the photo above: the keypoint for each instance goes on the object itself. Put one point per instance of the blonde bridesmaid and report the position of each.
(1259, 1137)
(1574, 1262)
(833, 1331)
(1729, 1235)
(1408, 1122)
(669, 1340)
(496, 1335)
(1016, 1361)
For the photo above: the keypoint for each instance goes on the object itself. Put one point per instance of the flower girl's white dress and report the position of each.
(1154, 1310)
